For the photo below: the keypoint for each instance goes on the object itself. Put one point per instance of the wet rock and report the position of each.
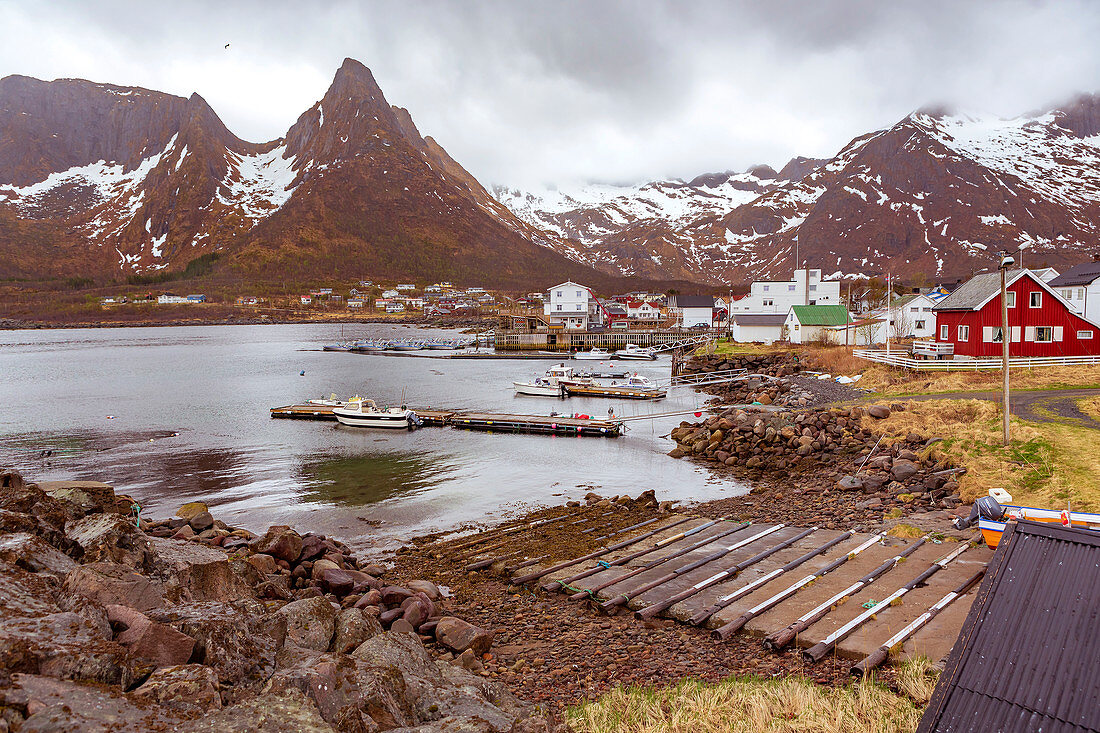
(265, 564)
(32, 554)
(394, 595)
(107, 583)
(458, 635)
(310, 623)
(281, 542)
(313, 547)
(109, 538)
(201, 521)
(428, 588)
(188, 687)
(238, 640)
(191, 509)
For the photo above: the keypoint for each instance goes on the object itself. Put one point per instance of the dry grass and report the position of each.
(1090, 407)
(917, 679)
(1047, 464)
(751, 705)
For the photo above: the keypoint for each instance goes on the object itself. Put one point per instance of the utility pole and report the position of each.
(889, 297)
(1006, 336)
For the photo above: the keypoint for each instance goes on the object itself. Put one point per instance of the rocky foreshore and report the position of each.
(112, 622)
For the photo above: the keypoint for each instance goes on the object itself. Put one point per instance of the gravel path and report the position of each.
(1041, 406)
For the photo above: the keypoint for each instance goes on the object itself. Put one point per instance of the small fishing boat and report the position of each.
(993, 528)
(633, 351)
(551, 384)
(347, 346)
(406, 346)
(363, 413)
(593, 354)
(328, 402)
(369, 347)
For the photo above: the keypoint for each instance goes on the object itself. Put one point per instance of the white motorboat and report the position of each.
(633, 351)
(364, 413)
(593, 354)
(551, 384)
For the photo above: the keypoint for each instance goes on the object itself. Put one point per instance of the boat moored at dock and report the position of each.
(363, 413)
(635, 352)
(593, 354)
(637, 387)
(551, 384)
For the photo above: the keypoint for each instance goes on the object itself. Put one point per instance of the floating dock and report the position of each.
(493, 422)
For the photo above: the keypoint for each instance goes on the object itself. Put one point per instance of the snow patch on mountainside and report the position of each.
(258, 185)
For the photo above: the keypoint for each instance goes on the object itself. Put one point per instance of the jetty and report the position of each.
(486, 421)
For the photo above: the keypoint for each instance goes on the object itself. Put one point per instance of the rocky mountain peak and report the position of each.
(1081, 116)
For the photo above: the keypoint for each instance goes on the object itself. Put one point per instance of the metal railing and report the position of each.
(727, 375)
(957, 364)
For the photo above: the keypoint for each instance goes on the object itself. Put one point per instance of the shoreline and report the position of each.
(13, 324)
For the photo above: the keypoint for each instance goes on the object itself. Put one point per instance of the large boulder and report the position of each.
(281, 542)
(879, 412)
(903, 470)
(458, 636)
(110, 583)
(353, 627)
(60, 705)
(192, 509)
(109, 538)
(350, 694)
(310, 623)
(31, 553)
(90, 496)
(290, 710)
(238, 640)
(64, 645)
(150, 640)
(187, 687)
(193, 572)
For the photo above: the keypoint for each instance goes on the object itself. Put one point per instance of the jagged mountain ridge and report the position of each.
(127, 178)
(936, 193)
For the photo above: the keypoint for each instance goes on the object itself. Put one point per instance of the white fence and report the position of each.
(901, 359)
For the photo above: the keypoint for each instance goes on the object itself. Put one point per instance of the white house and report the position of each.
(777, 296)
(910, 316)
(169, 299)
(758, 327)
(692, 310)
(406, 286)
(1080, 286)
(355, 303)
(643, 311)
(390, 293)
(571, 306)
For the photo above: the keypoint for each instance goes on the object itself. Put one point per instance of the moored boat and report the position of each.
(637, 387)
(551, 384)
(593, 354)
(363, 413)
(633, 351)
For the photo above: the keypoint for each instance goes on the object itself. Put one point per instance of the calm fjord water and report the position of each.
(171, 415)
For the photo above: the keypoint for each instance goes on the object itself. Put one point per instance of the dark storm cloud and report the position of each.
(530, 93)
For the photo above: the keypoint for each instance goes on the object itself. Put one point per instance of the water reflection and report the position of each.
(371, 478)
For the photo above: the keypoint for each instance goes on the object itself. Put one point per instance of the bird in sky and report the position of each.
(227, 45)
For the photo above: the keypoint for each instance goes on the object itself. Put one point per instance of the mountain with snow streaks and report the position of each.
(97, 178)
(936, 194)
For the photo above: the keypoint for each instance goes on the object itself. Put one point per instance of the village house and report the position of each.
(170, 299)
(777, 296)
(807, 323)
(406, 287)
(764, 328)
(306, 299)
(910, 316)
(355, 304)
(572, 306)
(1041, 322)
(642, 312)
(692, 311)
(390, 293)
(1080, 287)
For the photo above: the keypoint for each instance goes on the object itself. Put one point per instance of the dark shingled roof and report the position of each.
(760, 319)
(1083, 274)
(694, 301)
(1026, 658)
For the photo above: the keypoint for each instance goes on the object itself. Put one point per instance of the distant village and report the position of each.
(1050, 313)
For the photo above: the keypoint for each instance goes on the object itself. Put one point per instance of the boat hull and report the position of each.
(538, 390)
(992, 530)
(586, 356)
(635, 356)
(629, 393)
(381, 421)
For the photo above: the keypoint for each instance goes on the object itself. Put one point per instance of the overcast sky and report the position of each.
(558, 91)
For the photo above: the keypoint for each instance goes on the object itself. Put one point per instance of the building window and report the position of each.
(1084, 335)
(1010, 296)
(559, 306)
(769, 302)
(998, 335)
(964, 333)
(1080, 293)
(813, 288)
(790, 288)
(766, 288)
(918, 325)
(1036, 299)
(559, 293)
(1044, 333)
(578, 293)
(944, 332)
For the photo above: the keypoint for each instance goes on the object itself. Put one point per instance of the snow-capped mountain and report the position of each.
(937, 194)
(97, 178)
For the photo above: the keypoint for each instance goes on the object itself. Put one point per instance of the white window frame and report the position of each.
(1039, 332)
(1084, 335)
(918, 325)
(769, 302)
(964, 333)
(790, 288)
(1010, 296)
(1031, 299)
(945, 332)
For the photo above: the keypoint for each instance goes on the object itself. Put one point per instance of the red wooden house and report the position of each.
(1041, 323)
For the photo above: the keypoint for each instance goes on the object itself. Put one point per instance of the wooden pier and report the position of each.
(490, 422)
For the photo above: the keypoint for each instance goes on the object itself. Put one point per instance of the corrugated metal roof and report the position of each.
(821, 315)
(1028, 656)
(760, 319)
(1082, 274)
